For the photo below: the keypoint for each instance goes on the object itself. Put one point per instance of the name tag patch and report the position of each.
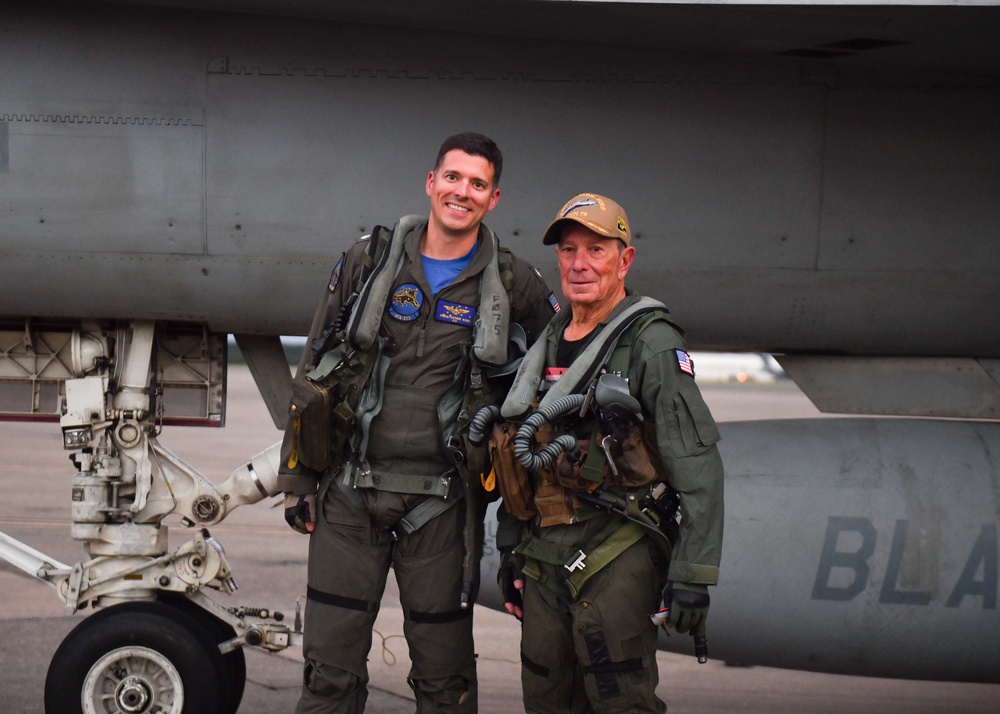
(455, 313)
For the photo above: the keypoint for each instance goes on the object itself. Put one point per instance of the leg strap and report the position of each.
(428, 509)
(349, 603)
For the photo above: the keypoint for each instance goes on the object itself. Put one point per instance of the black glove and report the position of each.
(511, 582)
(688, 605)
(300, 512)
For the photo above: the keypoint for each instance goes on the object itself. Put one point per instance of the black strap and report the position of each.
(348, 603)
(533, 667)
(604, 669)
(438, 618)
(629, 665)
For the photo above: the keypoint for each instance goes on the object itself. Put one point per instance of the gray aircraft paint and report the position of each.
(224, 161)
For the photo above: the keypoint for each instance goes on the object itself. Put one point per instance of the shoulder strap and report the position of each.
(581, 372)
(506, 259)
(493, 317)
(378, 240)
(333, 335)
(362, 330)
(621, 357)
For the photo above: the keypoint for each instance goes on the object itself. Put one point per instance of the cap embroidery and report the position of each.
(577, 204)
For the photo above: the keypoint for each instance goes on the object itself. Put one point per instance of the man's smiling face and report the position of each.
(461, 191)
(592, 268)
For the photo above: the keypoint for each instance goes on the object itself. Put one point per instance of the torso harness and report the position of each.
(348, 382)
(616, 470)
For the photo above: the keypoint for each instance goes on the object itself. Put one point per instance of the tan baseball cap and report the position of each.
(601, 215)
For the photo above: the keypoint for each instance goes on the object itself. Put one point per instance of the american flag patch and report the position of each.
(684, 362)
(553, 302)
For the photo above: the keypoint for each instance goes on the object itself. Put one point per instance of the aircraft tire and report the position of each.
(235, 662)
(134, 658)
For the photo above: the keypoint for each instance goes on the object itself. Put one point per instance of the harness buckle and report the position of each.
(454, 446)
(575, 561)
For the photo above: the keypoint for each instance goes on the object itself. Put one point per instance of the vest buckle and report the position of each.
(575, 561)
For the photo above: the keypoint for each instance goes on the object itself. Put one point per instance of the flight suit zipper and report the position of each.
(422, 337)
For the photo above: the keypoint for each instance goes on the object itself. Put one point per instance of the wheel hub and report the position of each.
(133, 680)
(132, 695)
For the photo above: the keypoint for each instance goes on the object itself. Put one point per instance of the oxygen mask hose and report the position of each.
(526, 433)
(481, 423)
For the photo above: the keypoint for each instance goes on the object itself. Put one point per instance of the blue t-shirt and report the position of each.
(441, 273)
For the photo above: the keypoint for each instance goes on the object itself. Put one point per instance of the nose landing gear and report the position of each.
(145, 658)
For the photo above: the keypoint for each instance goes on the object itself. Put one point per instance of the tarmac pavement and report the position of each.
(269, 564)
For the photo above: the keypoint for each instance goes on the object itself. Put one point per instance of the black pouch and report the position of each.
(324, 403)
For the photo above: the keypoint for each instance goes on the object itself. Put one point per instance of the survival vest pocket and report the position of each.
(310, 410)
(639, 461)
(512, 479)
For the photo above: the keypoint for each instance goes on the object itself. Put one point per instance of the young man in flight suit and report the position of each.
(586, 579)
(394, 499)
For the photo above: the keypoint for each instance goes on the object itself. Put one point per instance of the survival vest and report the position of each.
(559, 490)
(325, 400)
(558, 478)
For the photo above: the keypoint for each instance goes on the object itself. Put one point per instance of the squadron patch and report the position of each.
(404, 305)
(454, 313)
(684, 362)
(335, 275)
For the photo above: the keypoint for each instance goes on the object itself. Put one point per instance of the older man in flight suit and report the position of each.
(591, 555)
(404, 338)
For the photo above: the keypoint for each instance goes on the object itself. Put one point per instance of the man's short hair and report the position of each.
(475, 145)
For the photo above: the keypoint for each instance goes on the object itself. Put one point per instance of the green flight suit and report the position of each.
(592, 648)
(358, 534)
